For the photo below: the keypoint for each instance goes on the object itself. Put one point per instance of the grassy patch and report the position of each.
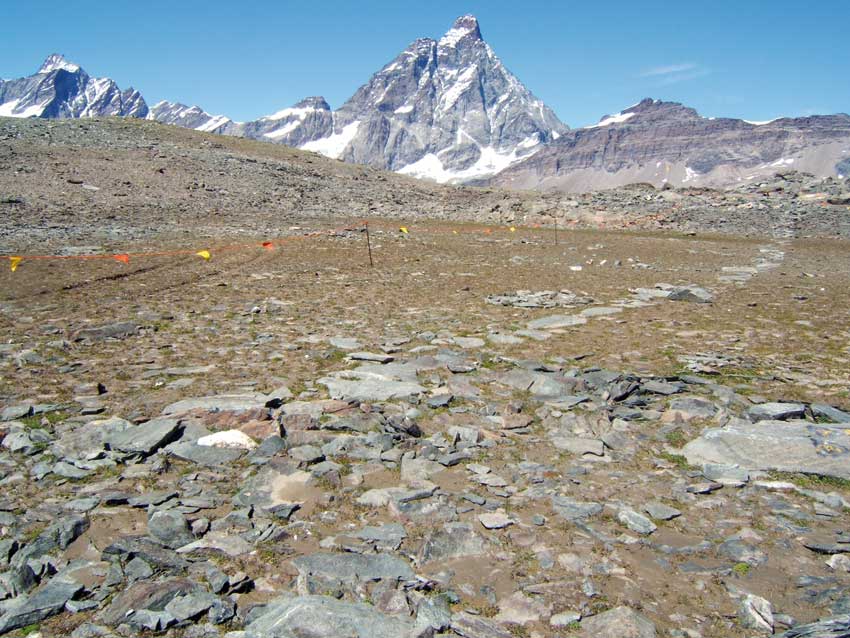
(812, 481)
(676, 459)
(741, 569)
(676, 439)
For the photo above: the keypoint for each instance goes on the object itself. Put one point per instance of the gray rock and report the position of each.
(349, 569)
(660, 511)
(469, 626)
(388, 536)
(776, 411)
(824, 411)
(370, 389)
(146, 438)
(725, 474)
(306, 454)
(755, 612)
(693, 294)
(144, 595)
(205, 455)
(190, 606)
(454, 540)
(170, 528)
(344, 343)
(661, 387)
(636, 522)
(322, 617)
(694, 407)
(620, 622)
(578, 445)
(775, 445)
(45, 602)
(555, 322)
(573, 510)
(15, 412)
(219, 403)
(835, 627)
(371, 356)
(120, 330)
(738, 551)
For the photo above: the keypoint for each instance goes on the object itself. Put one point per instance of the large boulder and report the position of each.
(788, 446)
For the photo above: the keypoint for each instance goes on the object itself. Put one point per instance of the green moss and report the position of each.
(741, 569)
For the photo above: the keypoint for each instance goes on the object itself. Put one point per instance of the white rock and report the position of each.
(233, 439)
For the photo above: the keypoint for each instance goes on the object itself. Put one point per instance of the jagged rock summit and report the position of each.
(62, 89)
(447, 109)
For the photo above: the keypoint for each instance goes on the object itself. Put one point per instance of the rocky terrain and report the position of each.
(117, 180)
(667, 143)
(498, 430)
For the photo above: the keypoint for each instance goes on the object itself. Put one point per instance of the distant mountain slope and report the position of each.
(62, 89)
(665, 142)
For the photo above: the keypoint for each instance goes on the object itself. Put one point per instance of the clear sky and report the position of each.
(751, 59)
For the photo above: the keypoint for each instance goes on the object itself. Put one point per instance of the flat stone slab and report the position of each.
(353, 568)
(219, 403)
(573, 510)
(553, 322)
(204, 455)
(321, 616)
(369, 389)
(787, 446)
(145, 438)
(776, 411)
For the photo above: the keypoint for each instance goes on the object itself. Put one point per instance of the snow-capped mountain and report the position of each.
(447, 110)
(189, 117)
(62, 89)
(299, 125)
(668, 143)
(444, 109)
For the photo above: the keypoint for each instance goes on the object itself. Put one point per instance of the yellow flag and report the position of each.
(454, 232)
(403, 229)
(205, 254)
(14, 261)
(513, 229)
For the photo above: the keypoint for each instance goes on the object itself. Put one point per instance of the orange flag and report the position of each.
(14, 261)
(268, 245)
(205, 254)
(124, 259)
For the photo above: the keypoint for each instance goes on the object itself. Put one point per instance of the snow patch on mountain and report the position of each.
(333, 145)
(617, 118)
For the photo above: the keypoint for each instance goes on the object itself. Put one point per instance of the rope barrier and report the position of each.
(269, 245)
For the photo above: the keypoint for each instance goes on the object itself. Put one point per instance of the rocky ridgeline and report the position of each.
(432, 486)
(124, 180)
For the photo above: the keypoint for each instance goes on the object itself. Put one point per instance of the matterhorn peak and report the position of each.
(57, 61)
(465, 27)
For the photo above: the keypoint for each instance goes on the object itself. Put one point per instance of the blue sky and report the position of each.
(755, 60)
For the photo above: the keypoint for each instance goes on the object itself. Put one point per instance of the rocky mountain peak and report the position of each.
(464, 30)
(314, 102)
(659, 108)
(56, 62)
